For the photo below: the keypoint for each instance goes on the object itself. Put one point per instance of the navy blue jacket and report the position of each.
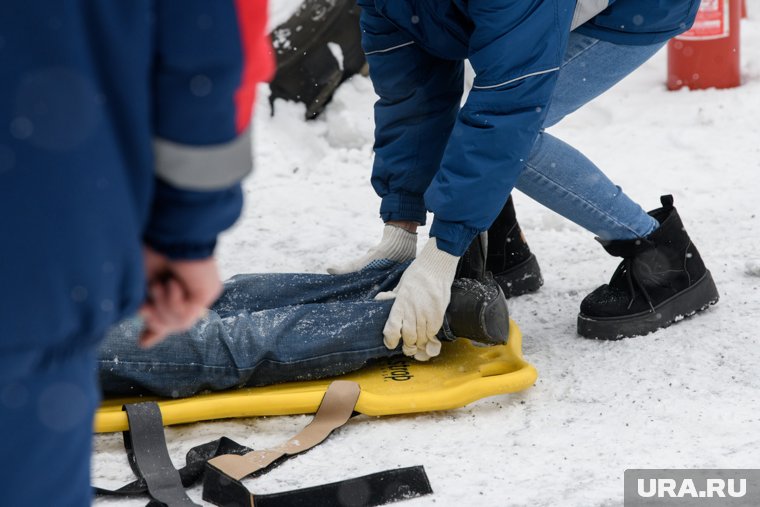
(462, 163)
(122, 122)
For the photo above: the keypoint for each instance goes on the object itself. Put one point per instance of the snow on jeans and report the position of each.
(560, 177)
(264, 329)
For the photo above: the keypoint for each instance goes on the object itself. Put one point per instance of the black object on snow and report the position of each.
(307, 69)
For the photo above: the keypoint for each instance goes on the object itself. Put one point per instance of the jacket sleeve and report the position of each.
(419, 97)
(209, 56)
(516, 49)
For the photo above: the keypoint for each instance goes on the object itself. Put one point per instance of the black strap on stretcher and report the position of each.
(149, 457)
(190, 474)
(372, 490)
(226, 463)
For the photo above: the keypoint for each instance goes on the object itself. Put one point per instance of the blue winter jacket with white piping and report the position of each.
(462, 163)
(122, 123)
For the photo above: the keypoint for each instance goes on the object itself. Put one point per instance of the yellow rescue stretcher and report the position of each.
(462, 374)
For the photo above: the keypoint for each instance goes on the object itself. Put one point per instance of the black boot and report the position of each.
(473, 263)
(478, 309)
(513, 266)
(661, 280)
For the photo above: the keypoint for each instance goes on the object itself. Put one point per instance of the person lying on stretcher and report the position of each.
(270, 328)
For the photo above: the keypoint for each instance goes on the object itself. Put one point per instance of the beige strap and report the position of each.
(334, 411)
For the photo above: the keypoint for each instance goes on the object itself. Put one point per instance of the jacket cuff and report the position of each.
(405, 207)
(184, 224)
(452, 237)
(181, 251)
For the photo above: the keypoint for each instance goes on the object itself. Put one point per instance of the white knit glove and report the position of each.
(397, 245)
(422, 295)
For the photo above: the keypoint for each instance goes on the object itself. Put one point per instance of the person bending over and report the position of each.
(535, 62)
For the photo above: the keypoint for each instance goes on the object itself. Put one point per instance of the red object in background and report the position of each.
(707, 56)
(744, 9)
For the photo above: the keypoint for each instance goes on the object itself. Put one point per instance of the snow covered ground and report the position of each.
(684, 397)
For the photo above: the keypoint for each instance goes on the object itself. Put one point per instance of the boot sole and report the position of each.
(696, 298)
(521, 279)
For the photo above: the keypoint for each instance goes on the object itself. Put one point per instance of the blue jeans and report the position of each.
(264, 329)
(560, 177)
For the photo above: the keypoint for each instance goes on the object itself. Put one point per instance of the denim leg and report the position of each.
(560, 177)
(260, 347)
(255, 292)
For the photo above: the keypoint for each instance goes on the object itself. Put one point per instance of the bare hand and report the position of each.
(179, 292)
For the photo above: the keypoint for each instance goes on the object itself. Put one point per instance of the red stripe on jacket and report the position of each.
(258, 60)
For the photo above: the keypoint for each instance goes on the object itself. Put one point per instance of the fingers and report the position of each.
(150, 338)
(348, 267)
(421, 355)
(352, 266)
(200, 279)
(174, 307)
(179, 291)
(409, 350)
(433, 347)
(409, 333)
(422, 338)
(171, 309)
(403, 325)
(338, 270)
(392, 329)
(153, 329)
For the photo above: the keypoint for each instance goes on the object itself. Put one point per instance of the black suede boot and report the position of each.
(478, 309)
(661, 280)
(510, 260)
(473, 262)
